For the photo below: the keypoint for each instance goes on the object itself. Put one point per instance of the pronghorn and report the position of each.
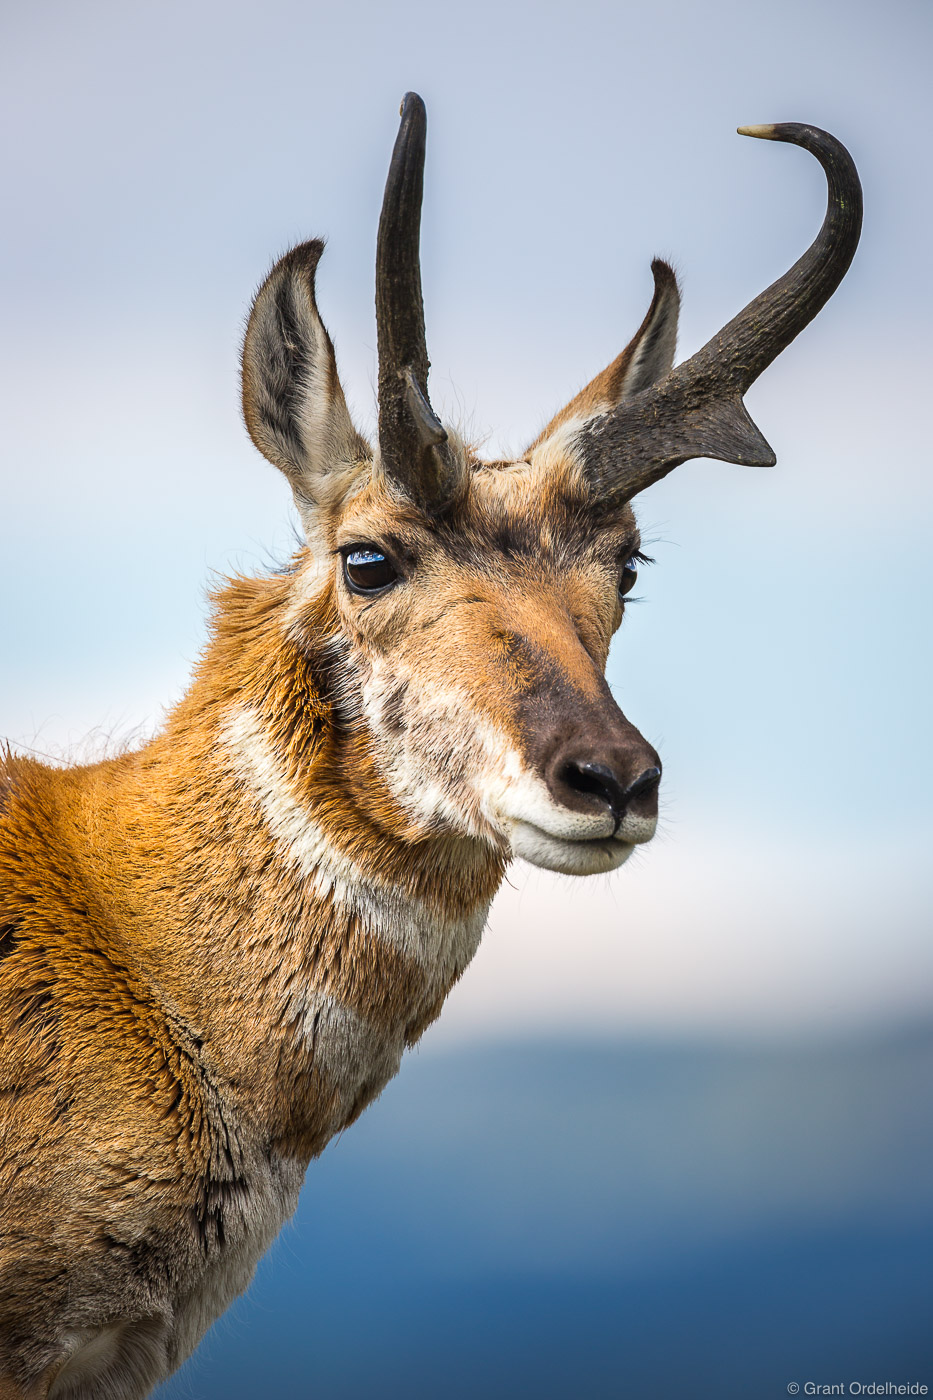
(213, 951)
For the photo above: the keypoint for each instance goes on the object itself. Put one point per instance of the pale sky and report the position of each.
(158, 157)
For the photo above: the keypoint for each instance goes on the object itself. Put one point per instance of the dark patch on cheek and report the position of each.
(393, 708)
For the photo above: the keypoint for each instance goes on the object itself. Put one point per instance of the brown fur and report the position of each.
(150, 926)
(213, 950)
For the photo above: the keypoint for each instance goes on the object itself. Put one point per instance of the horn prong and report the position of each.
(430, 427)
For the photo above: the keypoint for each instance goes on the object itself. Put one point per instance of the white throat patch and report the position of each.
(440, 947)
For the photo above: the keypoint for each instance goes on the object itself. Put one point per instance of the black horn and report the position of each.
(697, 410)
(413, 444)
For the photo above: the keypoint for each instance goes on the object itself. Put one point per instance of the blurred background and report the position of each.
(672, 1135)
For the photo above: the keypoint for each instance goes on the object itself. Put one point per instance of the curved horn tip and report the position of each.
(766, 132)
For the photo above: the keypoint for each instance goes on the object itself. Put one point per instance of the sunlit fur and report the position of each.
(213, 951)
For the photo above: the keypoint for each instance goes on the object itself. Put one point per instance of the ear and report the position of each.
(293, 403)
(647, 358)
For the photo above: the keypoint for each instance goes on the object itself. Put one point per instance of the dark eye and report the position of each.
(367, 570)
(629, 575)
(630, 571)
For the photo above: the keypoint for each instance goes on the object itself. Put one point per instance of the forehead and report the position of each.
(536, 510)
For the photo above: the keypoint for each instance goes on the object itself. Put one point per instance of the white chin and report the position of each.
(568, 857)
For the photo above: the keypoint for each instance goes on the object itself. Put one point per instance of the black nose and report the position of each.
(602, 782)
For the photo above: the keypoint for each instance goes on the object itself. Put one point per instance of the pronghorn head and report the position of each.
(474, 602)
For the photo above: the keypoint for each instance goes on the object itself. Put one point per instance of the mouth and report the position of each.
(569, 856)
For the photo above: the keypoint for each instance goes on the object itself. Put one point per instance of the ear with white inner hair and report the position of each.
(293, 403)
(647, 358)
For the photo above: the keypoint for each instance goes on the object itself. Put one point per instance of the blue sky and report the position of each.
(159, 157)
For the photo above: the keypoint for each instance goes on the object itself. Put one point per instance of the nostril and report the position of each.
(599, 780)
(645, 782)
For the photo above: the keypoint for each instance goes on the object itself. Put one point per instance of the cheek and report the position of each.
(432, 746)
(377, 628)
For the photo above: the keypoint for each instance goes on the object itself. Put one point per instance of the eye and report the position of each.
(367, 570)
(630, 571)
(629, 574)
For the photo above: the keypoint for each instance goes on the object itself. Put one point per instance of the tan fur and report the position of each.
(213, 951)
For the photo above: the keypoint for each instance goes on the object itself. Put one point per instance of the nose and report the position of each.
(600, 780)
(608, 765)
(598, 769)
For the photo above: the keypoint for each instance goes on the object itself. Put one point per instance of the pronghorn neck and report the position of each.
(337, 922)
